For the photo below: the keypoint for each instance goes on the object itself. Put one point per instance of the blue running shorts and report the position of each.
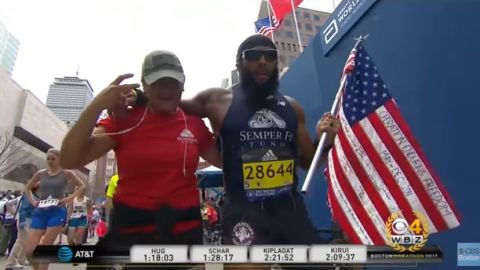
(43, 218)
(77, 222)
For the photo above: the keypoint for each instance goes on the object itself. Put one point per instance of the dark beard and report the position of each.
(257, 93)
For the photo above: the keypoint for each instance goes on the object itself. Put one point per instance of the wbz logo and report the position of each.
(407, 239)
(406, 234)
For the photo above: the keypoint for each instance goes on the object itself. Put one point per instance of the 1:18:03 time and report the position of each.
(158, 258)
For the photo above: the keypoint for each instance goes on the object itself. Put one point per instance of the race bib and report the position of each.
(270, 174)
(76, 215)
(47, 203)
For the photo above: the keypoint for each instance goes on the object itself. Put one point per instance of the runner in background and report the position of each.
(50, 214)
(9, 224)
(17, 258)
(93, 222)
(101, 228)
(77, 223)
(107, 206)
(111, 189)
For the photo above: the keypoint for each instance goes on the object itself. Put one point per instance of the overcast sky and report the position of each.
(109, 37)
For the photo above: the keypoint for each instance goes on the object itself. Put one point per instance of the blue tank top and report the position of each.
(258, 144)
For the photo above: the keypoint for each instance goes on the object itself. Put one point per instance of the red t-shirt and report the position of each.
(152, 158)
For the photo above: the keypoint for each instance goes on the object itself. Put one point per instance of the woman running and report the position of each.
(77, 223)
(95, 217)
(17, 257)
(157, 147)
(50, 213)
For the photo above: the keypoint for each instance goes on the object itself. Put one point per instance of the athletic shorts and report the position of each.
(126, 218)
(277, 221)
(43, 218)
(280, 221)
(24, 224)
(78, 222)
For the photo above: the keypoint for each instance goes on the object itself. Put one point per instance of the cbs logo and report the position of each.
(404, 233)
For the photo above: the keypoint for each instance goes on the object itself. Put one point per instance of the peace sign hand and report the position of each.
(115, 95)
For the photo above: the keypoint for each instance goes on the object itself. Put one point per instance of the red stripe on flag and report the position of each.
(384, 174)
(339, 216)
(395, 113)
(362, 176)
(408, 171)
(350, 64)
(353, 200)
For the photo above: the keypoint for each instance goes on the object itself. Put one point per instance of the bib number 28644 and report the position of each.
(267, 175)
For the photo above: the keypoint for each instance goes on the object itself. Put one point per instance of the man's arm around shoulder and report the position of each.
(198, 105)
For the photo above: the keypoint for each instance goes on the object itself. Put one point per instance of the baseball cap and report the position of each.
(160, 64)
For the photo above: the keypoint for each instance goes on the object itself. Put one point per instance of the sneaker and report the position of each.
(14, 267)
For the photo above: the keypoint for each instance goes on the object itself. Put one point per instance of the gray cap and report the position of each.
(161, 64)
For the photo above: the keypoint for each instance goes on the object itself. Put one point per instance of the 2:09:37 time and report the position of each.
(340, 257)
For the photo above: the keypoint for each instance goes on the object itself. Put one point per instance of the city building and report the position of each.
(232, 79)
(27, 130)
(9, 46)
(68, 96)
(285, 37)
(104, 168)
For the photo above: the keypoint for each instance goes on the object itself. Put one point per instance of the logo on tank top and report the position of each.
(269, 156)
(186, 136)
(265, 118)
(242, 234)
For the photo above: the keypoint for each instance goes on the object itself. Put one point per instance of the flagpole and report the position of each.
(296, 26)
(321, 146)
(270, 19)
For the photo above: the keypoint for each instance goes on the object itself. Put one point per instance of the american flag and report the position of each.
(376, 166)
(264, 27)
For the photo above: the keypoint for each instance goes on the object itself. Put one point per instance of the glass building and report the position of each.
(9, 46)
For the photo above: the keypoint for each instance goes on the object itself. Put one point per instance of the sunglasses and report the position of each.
(255, 55)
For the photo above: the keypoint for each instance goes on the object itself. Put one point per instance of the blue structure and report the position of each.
(209, 177)
(427, 52)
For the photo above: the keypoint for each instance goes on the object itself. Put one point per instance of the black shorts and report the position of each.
(124, 217)
(280, 221)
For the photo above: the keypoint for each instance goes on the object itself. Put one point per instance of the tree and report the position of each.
(12, 155)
